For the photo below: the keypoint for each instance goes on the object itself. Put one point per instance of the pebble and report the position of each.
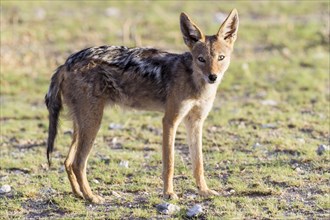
(61, 169)
(167, 208)
(269, 102)
(5, 189)
(301, 140)
(322, 149)
(245, 66)
(192, 196)
(3, 178)
(271, 126)
(114, 193)
(123, 163)
(114, 126)
(194, 211)
(112, 12)
(295, 165)
(96, 181)
(256, 145)
(47, 191)
(114, 141)
(40, 14)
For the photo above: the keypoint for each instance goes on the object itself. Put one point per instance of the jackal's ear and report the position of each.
(191, 33)
(229, 28)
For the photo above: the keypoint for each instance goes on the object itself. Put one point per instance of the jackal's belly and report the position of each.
(144, 103)
(137, 94)
(134, 91)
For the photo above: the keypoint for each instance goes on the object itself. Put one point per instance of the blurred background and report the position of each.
(280, 43)
(274, 97)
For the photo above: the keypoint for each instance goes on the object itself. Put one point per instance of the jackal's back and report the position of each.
(134, 77)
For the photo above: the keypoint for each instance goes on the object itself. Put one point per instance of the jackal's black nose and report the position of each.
(212, 77)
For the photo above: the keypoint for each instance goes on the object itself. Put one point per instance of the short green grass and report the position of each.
(261, 157)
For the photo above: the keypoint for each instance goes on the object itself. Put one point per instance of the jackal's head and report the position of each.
(211, 54)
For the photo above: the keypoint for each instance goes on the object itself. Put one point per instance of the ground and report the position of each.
(270, 116)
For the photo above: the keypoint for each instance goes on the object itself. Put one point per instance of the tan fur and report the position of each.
(186, 96)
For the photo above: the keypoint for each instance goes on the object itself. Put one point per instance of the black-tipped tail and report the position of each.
(54, 105)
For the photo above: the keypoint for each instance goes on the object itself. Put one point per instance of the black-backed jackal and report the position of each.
(183, 86)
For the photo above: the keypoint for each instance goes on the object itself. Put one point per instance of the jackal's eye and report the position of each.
(201, 59)
(221, 57)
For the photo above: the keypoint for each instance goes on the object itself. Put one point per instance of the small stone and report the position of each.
(5, 189)
(241, 125)
(114, 141)
(245, 66)
(269, 102)
(301, 140)
(256, 145)
(96, 181)
(123, 163)
(114, 126)
(167, 208)
(232, 191)
(112, 12)
(114, 193)
(192, 196)
(47, 191)
(295, 165)
(3, 178)
(271, 126)
(286, 52)
(62, 169)
(322, 149)
(194, 211)
(40, 14)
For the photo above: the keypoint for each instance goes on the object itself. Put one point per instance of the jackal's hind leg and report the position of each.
(88, 119)
(68, 164)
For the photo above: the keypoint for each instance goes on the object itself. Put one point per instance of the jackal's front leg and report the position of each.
(194, 126)
(169, 131)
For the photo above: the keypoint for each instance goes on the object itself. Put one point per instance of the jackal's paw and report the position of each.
(171, 196)
(208, 192)
(96, 199)
(78, 194)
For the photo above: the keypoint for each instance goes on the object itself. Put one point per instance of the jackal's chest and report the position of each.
(204, 103)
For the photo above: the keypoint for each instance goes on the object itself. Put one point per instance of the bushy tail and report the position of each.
(54, 105)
